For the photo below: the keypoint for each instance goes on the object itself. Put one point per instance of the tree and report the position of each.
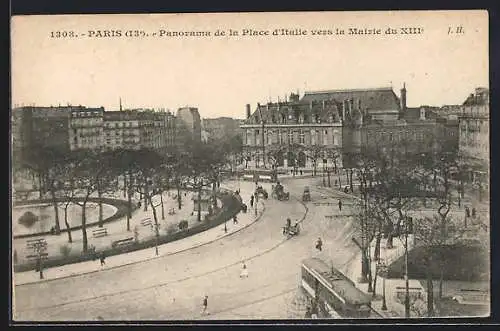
(68, 196)
(49, 164)
(316, 152)
(84, 165)
(149, 182)
(202, 168)
(436, 234)
(105, 177)
(275, 156)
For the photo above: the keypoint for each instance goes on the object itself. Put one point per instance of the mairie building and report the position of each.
(324, 129)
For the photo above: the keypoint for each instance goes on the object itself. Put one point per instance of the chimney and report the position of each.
(422, 113)
(248, 110)
(344, 106)
(403, 98)
(323, 104)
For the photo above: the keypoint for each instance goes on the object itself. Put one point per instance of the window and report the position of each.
(290, 137)
(302, 139)
(280, 138)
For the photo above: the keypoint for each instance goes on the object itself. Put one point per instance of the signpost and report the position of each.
(39, 249)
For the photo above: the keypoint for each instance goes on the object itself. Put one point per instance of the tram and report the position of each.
(332, 293)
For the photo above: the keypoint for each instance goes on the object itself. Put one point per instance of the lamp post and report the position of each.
(382, 267)
(324, 170)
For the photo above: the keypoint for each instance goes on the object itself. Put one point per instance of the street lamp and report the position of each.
(382, 267)
(324, 169)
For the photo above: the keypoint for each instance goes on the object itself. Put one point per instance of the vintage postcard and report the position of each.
(250, 166)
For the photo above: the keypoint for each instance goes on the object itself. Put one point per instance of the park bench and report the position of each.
(99, 232)
(123, 242)
(265, 177)
(247, 177)
(146, 222)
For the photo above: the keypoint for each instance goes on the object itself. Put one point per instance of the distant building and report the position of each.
(333, 125)
(474, 127)
(77, 127)
(86, 128)
(139, 129)
(188, 125)
(34, 127)
(218, 128)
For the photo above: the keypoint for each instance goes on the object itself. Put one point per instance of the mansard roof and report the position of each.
(328, 106)
(374, 99)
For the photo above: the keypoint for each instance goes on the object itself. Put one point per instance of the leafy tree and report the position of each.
(49, 164)
(203, 164)
(84, 165)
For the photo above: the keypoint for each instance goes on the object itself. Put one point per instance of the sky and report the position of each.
(221, 74)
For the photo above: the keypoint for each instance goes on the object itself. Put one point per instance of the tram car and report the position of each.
(334, 294)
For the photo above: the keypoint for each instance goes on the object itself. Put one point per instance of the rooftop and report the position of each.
(338, 281)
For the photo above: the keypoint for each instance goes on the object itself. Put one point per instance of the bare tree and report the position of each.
(84, 165)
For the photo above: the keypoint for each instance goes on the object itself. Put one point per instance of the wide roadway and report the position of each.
(173, 287)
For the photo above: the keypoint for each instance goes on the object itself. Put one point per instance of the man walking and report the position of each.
(251, 201)
(244, 271)
(319, 244)
(340, 205)
(205, 305)
(103, 259)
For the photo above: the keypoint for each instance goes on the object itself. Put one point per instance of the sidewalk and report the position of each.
(213, 234)
(393, 287)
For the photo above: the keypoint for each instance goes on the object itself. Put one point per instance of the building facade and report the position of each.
(34, 127)
(76, 127)
(474, 132)
(328, 127)
(188, 124)
(221, 127)
(86, 128)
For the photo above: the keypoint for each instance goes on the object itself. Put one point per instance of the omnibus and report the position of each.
(332, 293)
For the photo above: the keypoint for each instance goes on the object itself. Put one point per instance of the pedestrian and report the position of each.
(251, 201)
(340, 205)
(235, 220)
(467, 211)
(205, 305)
(301, 172)
(103, 259)
(319, 244)
(473, 212)
(244, 271)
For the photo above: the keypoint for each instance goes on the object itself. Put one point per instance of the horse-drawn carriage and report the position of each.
(290, 230)
(261, 192)
(279, 192)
